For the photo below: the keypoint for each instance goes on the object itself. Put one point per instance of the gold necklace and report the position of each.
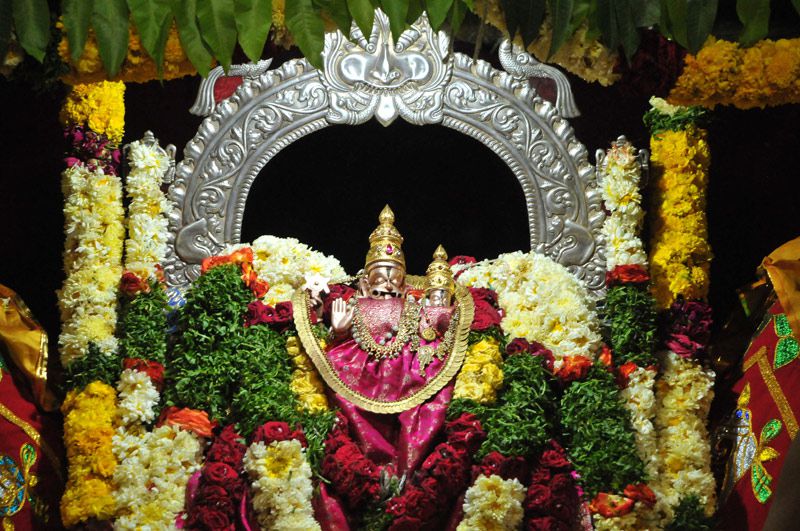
(391, 344)
(445, 346)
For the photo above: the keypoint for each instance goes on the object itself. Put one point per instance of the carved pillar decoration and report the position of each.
(417, 79)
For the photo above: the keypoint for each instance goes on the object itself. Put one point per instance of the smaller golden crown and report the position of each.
(385, 241)
(439, 275)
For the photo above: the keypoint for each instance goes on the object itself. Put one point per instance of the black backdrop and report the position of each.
(328, 188)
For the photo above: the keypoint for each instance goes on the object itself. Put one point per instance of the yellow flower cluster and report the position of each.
(306, 383)
(721, 73)
(680, 255)
(89, 418)
(98, 106)
(138, 67)
(584, 57)
(493, 503)
(481, 376)
(94, 229)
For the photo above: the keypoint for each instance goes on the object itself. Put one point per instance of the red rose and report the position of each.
(624, 372)
(484, 295)
(485, 317)
(574, 368)
(230, 454)
(554, 459)
(219, 473)
(153, 369)
(229, 436)
(538, 498)
(505, 467)
(271, 432)
(546, 523)
(465, 433)
(517, 345)
(462, 260)
(283, 314)
(258, 313)
(192, 420)
(562, 482)
(627, 274)
(611, 505)
(406, 523)
(204, 517)
(541, 475)
(606, 356)
(131, 285)
(430, 487)
(653, 69)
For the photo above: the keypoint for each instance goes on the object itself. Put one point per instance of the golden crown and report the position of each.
(385, 241)
(439, 275)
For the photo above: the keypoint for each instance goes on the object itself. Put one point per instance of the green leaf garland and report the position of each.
(153, 19)
(32, 23)
(92, 367)
(143, 324)
(185, 12)
(253, 20)
(76, 15)
(690, 516)
(305, 24)
(218, 23)
(630, 316)
(110, 23)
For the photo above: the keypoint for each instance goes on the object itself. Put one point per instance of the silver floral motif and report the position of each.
(380, 78)
(417, 80)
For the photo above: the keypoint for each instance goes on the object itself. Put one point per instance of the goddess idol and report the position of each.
(393, 357)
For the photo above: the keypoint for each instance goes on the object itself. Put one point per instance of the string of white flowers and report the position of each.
(542, 301)
(93, 226)
(137, 398)
(284, 264)
(683, 396)
(493, 503)
(146, 245)
(281, 485)
(619, 174)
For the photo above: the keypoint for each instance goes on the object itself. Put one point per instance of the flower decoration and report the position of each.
(481, 375)
(306, 382)
(493, 503)
(98, 106)
(191, 420)
(687, 327)
(552, 499)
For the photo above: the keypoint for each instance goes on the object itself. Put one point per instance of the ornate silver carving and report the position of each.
(519, 63)
(204, 103)
(417, 80)
(380, 78)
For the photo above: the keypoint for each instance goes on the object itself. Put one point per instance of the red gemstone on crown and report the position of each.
(389, 249)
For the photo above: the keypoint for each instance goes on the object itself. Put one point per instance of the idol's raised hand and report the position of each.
(341, 316)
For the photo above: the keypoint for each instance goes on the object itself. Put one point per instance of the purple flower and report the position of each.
(687, 327)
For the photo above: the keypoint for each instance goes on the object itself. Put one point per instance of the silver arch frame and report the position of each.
(418, 79)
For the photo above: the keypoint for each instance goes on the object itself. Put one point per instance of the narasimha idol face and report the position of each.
(384, 281)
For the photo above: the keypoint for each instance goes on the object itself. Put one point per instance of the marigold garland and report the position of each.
(146, 245)
(99, 106)
(722, 73)
(680, 255)
(94, 231)
(306, 383)
(89, 419)
(481, 375)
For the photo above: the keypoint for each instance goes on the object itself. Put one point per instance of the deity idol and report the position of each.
(395, 351)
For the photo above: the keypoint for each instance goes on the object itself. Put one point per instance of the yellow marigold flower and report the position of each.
(98, 106)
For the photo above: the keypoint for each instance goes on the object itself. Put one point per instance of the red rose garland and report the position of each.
(553, 497)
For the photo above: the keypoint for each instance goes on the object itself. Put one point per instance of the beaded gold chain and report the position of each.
(388, 347)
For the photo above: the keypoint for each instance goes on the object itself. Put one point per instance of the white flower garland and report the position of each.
(640, 401)
(684, 396)
(93, 226)
(154, 468)
(493, 503)
(620, 174)
(542, 301)
(281, 485)
(284, 263)
(146, 245)
(138, 397)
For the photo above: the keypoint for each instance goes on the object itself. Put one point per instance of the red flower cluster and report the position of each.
(443, 476)
(94, 150)
(486, 311)
(627, 274)
(497, 464)
(279, 317)
(222, 486)
(687, 328)
(270, 432)
(654, 67)
(192, 420)
(244, 258)
(552, 500)
(520, 345)
(131, 285)
(573, 368)
(353, 476)
(153, 369)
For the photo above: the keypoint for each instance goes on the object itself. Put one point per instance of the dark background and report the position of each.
(327, 188)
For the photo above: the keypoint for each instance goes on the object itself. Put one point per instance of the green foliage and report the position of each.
(396, 10)
(76, 15)
(437, 11)
(253, 20)
(688, 22)
(690, 516)
(560, 15)
(316, 428)
(153, 19)
(754, 15)
(92, 367)
(110, 23)
(459, 406)
(598, 436)
(493, 332)
(683, 118)
(524, 17)
(204, 365)
(32, 24)
(185, 13)
(143, 324)
(218, 23)
(630, 315)
(305, 24)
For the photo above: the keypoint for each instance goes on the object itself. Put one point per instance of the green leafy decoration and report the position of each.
(648, 13)
(457, 14)
(415, 10)
(796, 4)
(699, 22)
(531, 15)
(511, 17)
(143, 324)
(630, 316)
(626, 24)
(337, 10)
(673, 21)
(459, 406)
(185, 13)
(153, 19)
(218, 26)
(561, 14)
(110, 23)
(598, 436)
(437, 11)
(203, 367)
(76, 15)
(94, 366)
(690, 516)
(32, 25)
(396, 10)
(754, 14)
(306, 26)
(683, 118)
(253, 20)
(363, 12)
(607, 23)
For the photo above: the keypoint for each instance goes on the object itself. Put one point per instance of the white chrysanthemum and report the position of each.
(542, 301)
(138, 397)
(623, 246)
(640, 401)
(493, 504)
(281, 485)
(147, 212)
(153, 470)
(93, 225)
(284, 264)
(661, 105)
